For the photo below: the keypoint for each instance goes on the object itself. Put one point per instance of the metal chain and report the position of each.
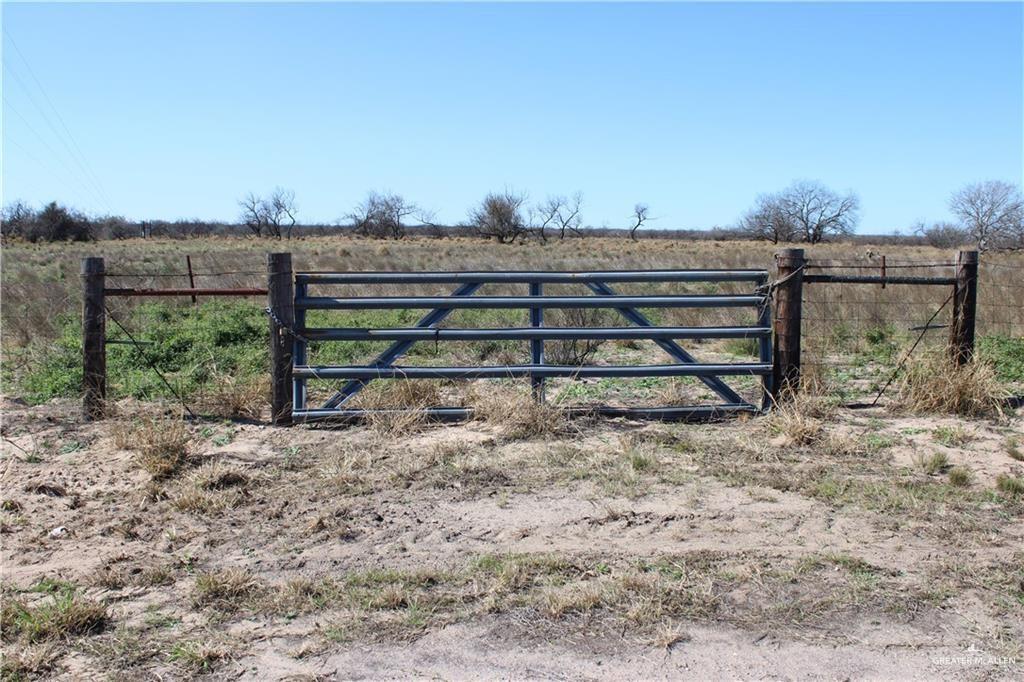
(288, 328)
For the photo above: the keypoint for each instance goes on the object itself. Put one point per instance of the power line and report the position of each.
(80, 157)
(46, 144)
(56, 134)
(44, 166)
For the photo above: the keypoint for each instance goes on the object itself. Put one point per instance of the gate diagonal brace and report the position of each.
(671, 347)
(399, 348)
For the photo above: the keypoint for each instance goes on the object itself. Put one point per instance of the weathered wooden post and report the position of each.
(94, 339)
(281, 301)
(788, 307)
(965, 305)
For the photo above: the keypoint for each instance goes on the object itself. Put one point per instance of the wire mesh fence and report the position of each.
(213, 351)
(856, 336)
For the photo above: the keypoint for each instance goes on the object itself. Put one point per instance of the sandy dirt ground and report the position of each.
(858, 544)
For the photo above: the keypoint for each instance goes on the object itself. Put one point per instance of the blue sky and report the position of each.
(177, 110)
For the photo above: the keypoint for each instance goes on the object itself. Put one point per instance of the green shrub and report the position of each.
(192, 346)
(1005, 354)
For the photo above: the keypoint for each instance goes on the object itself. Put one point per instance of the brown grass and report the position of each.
(933, 385)
(514, 412)
(800, 418)
(211, 488)
(226, 590)
(161, 444)
(234, 398)
(397, 406)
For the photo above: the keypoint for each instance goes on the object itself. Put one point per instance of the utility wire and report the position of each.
(81, 159)
(87, 179)
(70, 173)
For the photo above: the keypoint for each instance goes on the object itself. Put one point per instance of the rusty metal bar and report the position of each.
(875, 279)
(123, 291)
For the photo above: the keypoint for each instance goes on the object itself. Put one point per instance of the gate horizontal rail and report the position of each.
(688, 413)
(403, 302)
(530, 371)
(538, 277)
(527, 333)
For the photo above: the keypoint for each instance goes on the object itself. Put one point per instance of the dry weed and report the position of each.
(800, 418)
(515, 413)
(234, 398)
(932, 384)
(211, 488)
(398, 406)
(226, 590)
(161, 444)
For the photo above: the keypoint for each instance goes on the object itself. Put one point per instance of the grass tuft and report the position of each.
(227, 590)
(960, 477)
(935, 463)
(1011, 485)
(161, 444)
(933, 384)
(62, 616)
(196, 656)
(515, 413)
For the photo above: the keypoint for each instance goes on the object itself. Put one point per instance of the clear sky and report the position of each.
(177, 110)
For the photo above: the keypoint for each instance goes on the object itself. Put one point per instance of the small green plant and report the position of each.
(952, 436)
(1005, 354)
(741, 347)
(201, 657)
(64, 614)
(1011, 485)
(959, 476)
(935, 463)
(1013, 448)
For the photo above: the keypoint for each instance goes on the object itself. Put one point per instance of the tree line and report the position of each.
(989, 214)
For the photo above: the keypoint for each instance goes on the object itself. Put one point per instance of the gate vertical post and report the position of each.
(788, 311)
(94, 339)
(764, 351)
(965, 306)
(537, 345)
(299, 350)
(281, 302)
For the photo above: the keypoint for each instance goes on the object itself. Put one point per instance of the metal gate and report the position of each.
(465, 295)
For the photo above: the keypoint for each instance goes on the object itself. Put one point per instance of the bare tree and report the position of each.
(500, 217)
(569, 215)
(273, 216)
(381, 215)
(15, 219)
(806, 210)
(942, 235)
(640, 216)
(767, 220)
(818, 212)
(547, 213)
(992, 212)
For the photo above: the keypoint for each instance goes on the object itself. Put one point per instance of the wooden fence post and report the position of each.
(94, 339)
(788, 298)
(281, 301)
(965, 305)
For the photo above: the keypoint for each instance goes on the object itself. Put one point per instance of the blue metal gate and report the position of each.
(467, 286)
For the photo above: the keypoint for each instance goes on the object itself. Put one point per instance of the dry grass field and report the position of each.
(819, 541)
